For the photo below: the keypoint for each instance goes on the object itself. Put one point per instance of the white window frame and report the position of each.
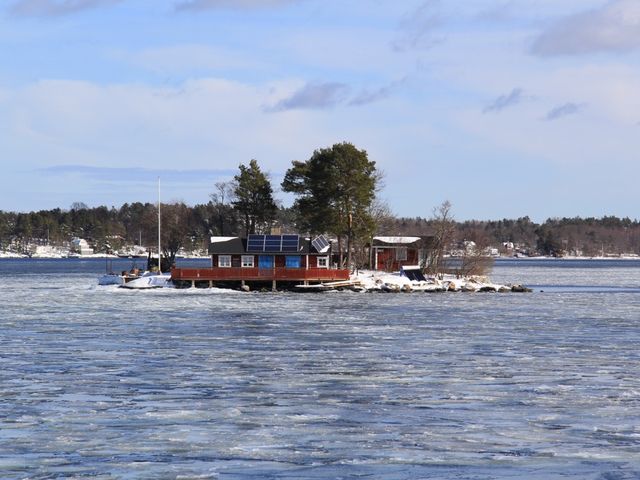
(224, 261)
(402, 253)
(248, 261)
(322, 262)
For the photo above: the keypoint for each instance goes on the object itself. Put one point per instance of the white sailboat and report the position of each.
(148, 279)
(113, 278)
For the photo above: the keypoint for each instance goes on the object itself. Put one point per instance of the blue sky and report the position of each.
(505, 108)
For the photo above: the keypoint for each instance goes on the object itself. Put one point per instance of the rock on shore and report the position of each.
(394, 282)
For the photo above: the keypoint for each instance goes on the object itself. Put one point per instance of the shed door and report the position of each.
(265, 261)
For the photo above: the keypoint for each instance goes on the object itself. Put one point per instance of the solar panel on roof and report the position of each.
(290, 243)
(255, 243)
(272, 243)
(320, 243)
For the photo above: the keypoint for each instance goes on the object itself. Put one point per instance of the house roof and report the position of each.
(395, 241)
(227, 246)
(238, 246)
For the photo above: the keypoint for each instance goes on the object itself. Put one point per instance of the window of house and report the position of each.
(247, 261)
(401, 254)
(266, 262)
(323, 262)
(224, 261)
(293, 261)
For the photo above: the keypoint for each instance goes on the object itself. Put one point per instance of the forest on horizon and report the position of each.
(136, 223)
(336, 192)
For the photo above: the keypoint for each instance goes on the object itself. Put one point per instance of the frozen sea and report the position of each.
(106, 383)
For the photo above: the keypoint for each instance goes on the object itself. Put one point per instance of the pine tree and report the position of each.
(336, 189)
(254, 198)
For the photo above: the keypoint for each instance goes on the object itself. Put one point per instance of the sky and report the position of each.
(505, 108)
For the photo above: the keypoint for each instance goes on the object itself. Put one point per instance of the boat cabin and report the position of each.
(258, 261)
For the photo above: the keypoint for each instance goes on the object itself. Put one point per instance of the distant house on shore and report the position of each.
(264, 261)
(391, 253)
(81, 247)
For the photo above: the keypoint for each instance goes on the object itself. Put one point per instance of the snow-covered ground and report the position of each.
(384, 281)
(4, 254)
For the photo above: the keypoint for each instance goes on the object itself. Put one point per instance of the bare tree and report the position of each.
(224, 213)
(175, 230)
(443, 232)
(476, 258)
(383, 217)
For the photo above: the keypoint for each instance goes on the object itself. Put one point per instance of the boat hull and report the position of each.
(146, 282)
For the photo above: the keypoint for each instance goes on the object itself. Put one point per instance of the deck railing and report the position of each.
(257, 274)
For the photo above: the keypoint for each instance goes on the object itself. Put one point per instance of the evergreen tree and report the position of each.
(336, 189)
(254, 198)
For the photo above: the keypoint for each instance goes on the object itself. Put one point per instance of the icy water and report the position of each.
(106, 383)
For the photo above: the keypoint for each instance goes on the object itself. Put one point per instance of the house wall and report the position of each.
(280, 261)
(313, 260)
(236, 261)
(386, 258)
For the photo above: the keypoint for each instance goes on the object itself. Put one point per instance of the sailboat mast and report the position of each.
(159, 251)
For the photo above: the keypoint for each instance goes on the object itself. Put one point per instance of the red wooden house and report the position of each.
(392, 253)
(260, 261)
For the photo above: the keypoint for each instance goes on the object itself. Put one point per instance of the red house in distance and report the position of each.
(392, 253)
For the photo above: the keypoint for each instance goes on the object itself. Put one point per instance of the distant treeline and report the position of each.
(112, 228)
(608, 235)
(191, 226)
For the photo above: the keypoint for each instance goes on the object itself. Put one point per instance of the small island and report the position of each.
(337, 234)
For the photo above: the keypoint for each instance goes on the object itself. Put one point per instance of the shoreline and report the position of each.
(616, 257)
(95, 256)
(102, 256)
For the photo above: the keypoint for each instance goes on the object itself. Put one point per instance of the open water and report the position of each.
(106, 383)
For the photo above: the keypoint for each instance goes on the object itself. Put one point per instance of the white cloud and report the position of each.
(205, 123)
(613, 27)
(302, 63)
(603, 135)
(610, 91)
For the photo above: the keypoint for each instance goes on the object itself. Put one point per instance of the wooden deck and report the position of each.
(258, 274)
